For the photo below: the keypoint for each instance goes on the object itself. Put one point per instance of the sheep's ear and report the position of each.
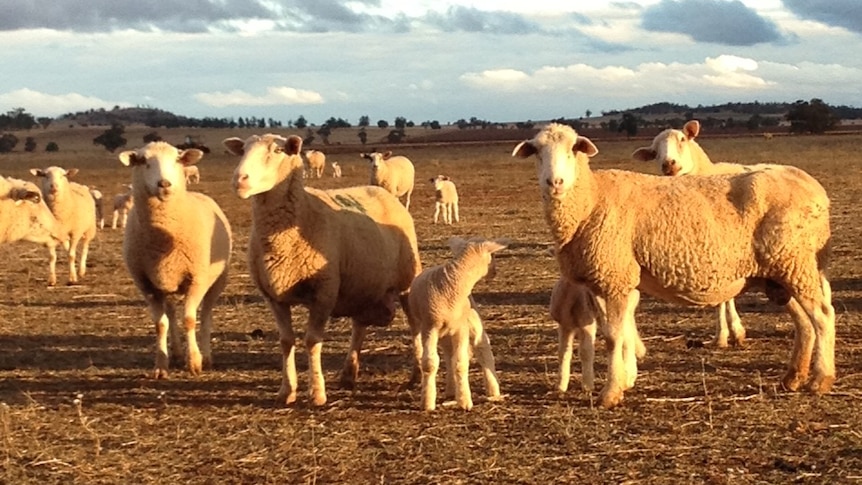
(524, 150)
(387, 154)
(691, 129)
(644, 154)
(37, 172)
(71, 172)
(190, 156)
(234, 145)
(443, 177)
(130, 158)
(585, 146)
(293, 145)
(493, 246)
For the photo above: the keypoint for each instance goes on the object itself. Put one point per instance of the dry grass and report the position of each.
(78, 407)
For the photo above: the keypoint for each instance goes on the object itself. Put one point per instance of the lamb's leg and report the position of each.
(461, 367)
(484, 355)
(587, 354)
(350, 372)
(52, 264)
(565, 347)
(437, 212)
(430, 365)
(455, 209)
(73, 254)
(448, 373)
(116, 217)
(317, 317)
(287, 340)
(616, 332)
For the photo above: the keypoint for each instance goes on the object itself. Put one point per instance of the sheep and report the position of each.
(336, 170)
(341, 253)
(678, 153)
(442, 307)
(192, 174)
(316, 162)
(100, 213)
(445, 199)
(123, 203)
(395, 174)
(176, 247)
(24, 216)
(73, 208)
(691, 240)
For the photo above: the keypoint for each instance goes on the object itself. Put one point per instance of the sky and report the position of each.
(443, 60)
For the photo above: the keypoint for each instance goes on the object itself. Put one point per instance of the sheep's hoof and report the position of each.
(719, 344)
(160, 373)
(318, 399)
(71, 283)
(347, 381)
(497, 398)
(52, 282)
(610, 398)
(195, 365)
(793, 380)
(821, 385)
(285, 399)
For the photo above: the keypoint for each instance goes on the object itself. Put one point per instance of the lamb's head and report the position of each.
(376, 159)
(262, 165)
(54, 181)
(37, 223)
(479, 247)
(672, 149)
(437, 182)
(558, 149)
(157, 167)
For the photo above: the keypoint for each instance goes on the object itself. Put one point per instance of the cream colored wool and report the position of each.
(395, 174)
(24, 216)
(315, 161)
(122, 205)
(445, 199)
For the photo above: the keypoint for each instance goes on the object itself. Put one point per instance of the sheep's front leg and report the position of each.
(616, 334)
(52, 265)
(85, 251)
(484, 355)
(437, 212)
(287, 340)
(430, 365)
(73, 254)
(587, 354)
(461, 367)
(314, 333)
(350, 372)
(194, 359)
(159, 315)
(822, 314)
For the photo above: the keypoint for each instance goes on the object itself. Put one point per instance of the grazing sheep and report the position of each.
(692, 240)
(442, 308)
(176, 247)
(24, 216)
(341, 253)
(100, 212)
(122, 206)
(316, 162)
(336, 170)
(193, 174)
(395, 174)
(767, 136)
(72, 206)
(445, 199)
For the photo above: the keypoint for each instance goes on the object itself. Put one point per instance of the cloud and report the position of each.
(714, 21)
(837, 13)
(274, 96)
(54, 104)
(467, 19)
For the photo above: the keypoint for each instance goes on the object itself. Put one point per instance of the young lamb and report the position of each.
(336, 170)
(678, 153)
(122, 206)
(442, 308)
(692, 240)
(24, 216)
(72, 206)
(445, 199)
(316, 162)
(100, 213)
(341, 253)
(395, 174)
(176, 247)
(193, 174)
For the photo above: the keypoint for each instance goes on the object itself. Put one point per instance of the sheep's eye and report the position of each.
(278, 150)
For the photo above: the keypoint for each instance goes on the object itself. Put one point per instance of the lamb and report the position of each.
(122, 206)
(24, 216)
(445, 199)
(692, 240)
(316, 162)
(442, 307)
(679, 154)
(395, 174)
(73, 208)
(336, 170)
(100, 213)
(177, 247)
(341, 253)
(192, 174)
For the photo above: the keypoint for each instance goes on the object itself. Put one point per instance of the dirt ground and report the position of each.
(79, 405)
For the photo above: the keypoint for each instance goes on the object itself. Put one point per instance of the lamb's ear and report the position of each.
(130, 158)
(493, 246)
(37, 172)
(71, 172)
(190, 156)
(585, 146)
(644, 154)
(234, 145)
(691, 129)
(524, 149)
(293, 145)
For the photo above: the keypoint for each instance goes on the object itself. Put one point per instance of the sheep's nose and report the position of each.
(556, 183)
(669, 167)
(164, 184)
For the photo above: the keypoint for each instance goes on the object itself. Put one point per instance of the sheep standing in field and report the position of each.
(176, 247)
(678, 153)
(122, 206)
(73, 208)
(341, 253)
(315, 162)
(442, 308)
(445, 199)
(690, 240)
(395, 174)
(192, 174)
(24, 216)
(336, 170)
(100, 211)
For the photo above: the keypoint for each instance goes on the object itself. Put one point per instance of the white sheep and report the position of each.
(690, 240)
(443, 309)
(192, 174)
(677, 153)
(315, 161)
(123, 203)
(100, 211)
(341, 253)
(24, 216)
(395, 174)
(445, 199)
(73, 208)
(176, 247)
(336, 170)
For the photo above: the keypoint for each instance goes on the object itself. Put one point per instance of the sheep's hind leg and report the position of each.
(430, 365)
(85, 251)
(803, 347)
(73, 254)
(484, 355)
(461, 366)
(207, 305)
(287, 340)
(317, 317)
(818, 308)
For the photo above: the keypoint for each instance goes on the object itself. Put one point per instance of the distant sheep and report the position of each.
(316, 162)
(24, 216)
(176, 247)
(336, 170)
(691, 240)
(445, 199)
(100, 211)
(395, 174)
(73, 208)
(193, 174)
(122, 205)
(341, 253)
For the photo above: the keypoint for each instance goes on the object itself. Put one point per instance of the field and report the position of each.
(78, 405)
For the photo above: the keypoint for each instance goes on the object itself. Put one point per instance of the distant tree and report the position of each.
(383, 124)
(435, 125)
(811, 117)
(152, 136)
(17, 119)
(364, 121)
(300, 122)
(396, 136)
(363, 137)
(8, 142)
(400, 122)
(628, 124)
(44, 121)
(29, 144)
(462, 124)
(52, 147)
(324, 131)
(112, 138)
(754, 122)
(588, 113)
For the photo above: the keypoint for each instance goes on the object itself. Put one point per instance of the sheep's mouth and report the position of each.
(164, 193)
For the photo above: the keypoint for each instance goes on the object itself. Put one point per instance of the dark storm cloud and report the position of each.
(838, 13)
(466, 19)
(716, 21)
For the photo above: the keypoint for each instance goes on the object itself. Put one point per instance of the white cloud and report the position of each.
(53, 104)
(275, 95)
(495, 78)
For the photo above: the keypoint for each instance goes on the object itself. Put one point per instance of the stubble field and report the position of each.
(78, 405)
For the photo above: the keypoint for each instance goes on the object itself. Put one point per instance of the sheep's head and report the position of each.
(260, 168)
(437, 181)
(35, 222)
(376, 159)
(557, 149)
(672, 149)
(54, 180)
(158, 167)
